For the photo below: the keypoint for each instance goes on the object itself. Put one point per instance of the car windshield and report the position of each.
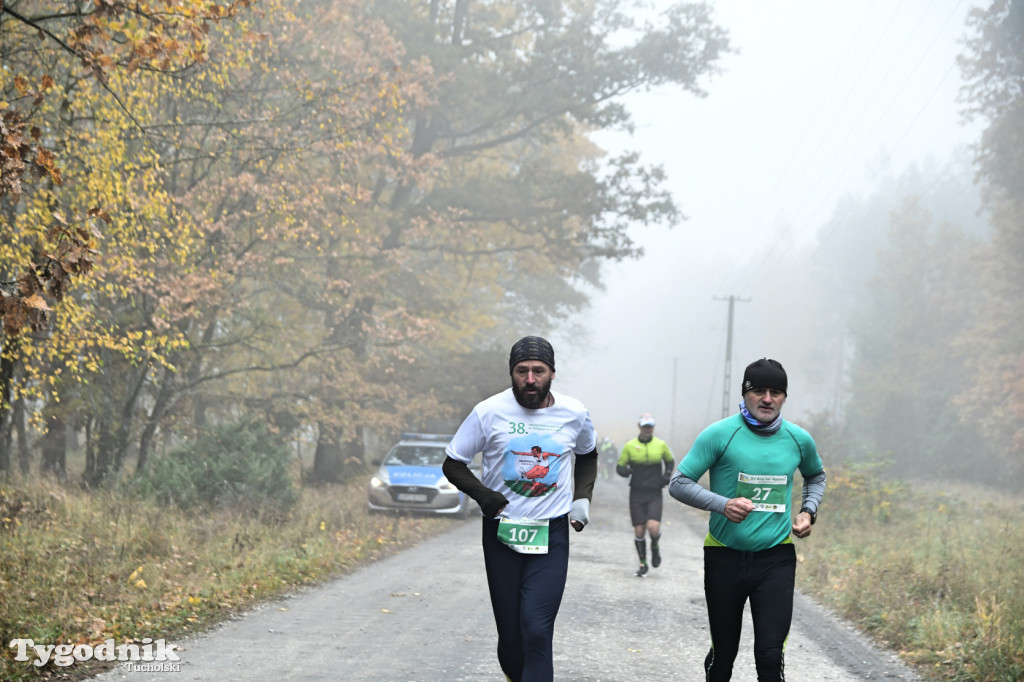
(416, 455)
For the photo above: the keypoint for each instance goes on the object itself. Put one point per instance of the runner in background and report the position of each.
(647, 462)
(607, 456)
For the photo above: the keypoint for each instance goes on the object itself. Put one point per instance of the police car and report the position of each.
(410, 480)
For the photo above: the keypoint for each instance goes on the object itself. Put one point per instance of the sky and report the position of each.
(820, 99)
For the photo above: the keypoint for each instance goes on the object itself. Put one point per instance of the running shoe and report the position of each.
(642, 571)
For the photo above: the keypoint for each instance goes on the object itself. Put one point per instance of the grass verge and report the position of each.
(79, 568)
(933, 574)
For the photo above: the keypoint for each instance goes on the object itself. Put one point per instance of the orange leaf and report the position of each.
(36, 301)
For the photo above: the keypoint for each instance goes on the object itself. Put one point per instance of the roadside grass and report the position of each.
(933, 574)
(81, 567)
(936, 575)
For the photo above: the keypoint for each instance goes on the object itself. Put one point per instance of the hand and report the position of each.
(579, 513)
(802, 525)
(493, 504)
(737, 509)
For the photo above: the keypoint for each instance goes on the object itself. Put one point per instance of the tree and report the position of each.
(521, 84)
(520, 207)
(266, 168)
(328, 208)
(427, 249)
(66, 89)
(993, 68)
(906, 369)
(821, 284)
(45, 46)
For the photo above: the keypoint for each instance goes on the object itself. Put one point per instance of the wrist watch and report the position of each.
(813, 515)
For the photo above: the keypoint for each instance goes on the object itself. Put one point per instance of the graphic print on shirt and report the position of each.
(531, 465)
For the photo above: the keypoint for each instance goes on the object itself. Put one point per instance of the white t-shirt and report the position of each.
(527, 454)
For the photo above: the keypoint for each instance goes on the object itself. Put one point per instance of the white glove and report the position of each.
(580, 510)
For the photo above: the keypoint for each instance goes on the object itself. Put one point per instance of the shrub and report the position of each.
(231, 465)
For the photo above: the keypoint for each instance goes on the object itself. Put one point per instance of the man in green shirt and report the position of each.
(647, 462)
(751, 458)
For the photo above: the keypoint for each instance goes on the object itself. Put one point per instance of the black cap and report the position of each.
(531, 348)
(764, 373)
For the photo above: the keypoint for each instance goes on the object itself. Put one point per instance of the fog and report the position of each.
(474, 196)
(819, 102)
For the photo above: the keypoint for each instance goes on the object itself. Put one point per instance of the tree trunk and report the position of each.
(336, 460)
(106, 454)
(5, 441)
(54, 446)
(327, 459)
(7, 366)
(160, 406)
(24, 453)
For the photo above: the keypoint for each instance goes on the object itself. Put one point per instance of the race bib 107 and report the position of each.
(526, 536)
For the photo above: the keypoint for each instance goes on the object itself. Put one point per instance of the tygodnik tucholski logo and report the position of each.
(148, 656)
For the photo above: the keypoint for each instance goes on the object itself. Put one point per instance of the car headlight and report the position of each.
(446, 485)
(376, 482)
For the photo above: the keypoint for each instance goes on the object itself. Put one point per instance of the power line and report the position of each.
(782, 240)
(843, 218)
(751, 245)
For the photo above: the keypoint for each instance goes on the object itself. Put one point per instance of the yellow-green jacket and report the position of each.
(647, 465)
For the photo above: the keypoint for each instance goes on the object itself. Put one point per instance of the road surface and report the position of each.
(423, 616)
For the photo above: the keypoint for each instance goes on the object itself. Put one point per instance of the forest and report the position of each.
(300, 216)
(918, 294)
(297, 214)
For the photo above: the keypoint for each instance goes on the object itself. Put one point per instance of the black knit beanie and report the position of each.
(531, 348)
(764, 373)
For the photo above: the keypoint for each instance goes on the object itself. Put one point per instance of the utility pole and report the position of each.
(672, 422)
(728, 353)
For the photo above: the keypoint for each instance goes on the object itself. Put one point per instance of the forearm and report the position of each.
(670, 465)
(584, 475)
(814, 490)
(458, 474)
(689, 492)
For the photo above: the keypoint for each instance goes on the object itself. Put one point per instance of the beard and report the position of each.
(532, 401)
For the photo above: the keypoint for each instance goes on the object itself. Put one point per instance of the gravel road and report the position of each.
(423, 616)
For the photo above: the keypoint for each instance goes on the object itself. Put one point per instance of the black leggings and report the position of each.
(767, 579)
(526, 591)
